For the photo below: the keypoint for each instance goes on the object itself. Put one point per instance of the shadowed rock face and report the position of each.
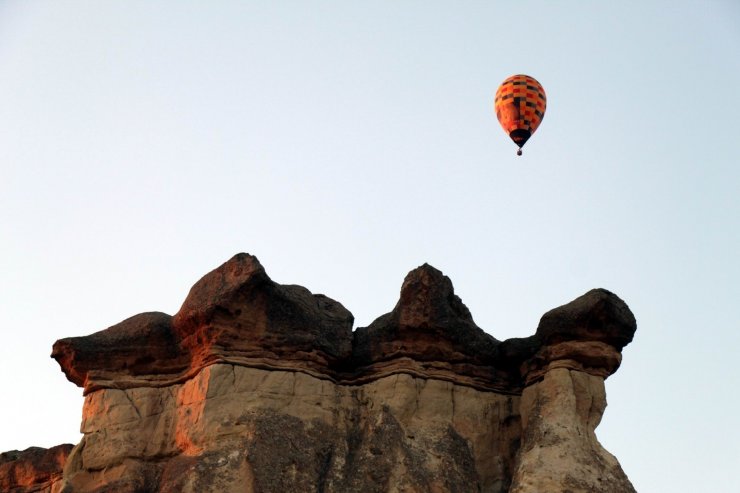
(260, 387)
(596, 316)
(430, 331)
(237, 310)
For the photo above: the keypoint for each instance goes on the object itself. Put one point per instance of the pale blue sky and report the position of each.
(142, 144)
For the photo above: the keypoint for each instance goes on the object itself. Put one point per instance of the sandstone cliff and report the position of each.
(260, 387)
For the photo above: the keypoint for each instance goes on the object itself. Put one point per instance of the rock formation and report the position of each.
(260, 387)
(35, 469)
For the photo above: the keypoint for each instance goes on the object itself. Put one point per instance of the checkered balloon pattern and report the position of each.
(520, 106)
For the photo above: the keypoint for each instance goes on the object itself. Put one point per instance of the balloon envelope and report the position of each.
(520, 106)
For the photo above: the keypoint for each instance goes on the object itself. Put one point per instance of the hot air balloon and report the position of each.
(520, 106)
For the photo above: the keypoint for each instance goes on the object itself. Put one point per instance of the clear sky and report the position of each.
(144, 143)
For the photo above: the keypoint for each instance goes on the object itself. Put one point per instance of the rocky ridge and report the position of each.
(261, 387)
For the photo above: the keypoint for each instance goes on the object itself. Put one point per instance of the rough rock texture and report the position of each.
(559, 450)
(233, 314)
(259, 387)
(280, 431)
(430, 332)
(35, 469)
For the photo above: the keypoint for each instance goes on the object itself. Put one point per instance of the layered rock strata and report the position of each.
(260, 387)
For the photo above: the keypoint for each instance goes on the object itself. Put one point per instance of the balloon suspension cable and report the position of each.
(519, 152)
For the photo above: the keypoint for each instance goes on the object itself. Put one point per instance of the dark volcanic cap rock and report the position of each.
(141, 345)
(238, 310)
(236, 314)
(429, 323)
(598, 315)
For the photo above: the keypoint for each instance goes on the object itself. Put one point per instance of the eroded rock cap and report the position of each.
(237, 314)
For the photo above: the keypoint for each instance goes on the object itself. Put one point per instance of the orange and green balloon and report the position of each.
(520, 106)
